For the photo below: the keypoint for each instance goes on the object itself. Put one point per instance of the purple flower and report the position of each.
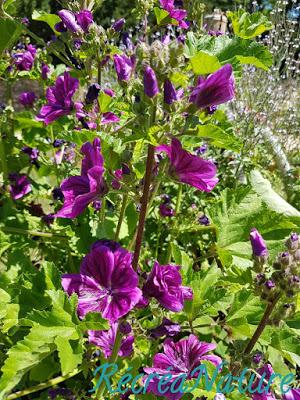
(106, 340)
(109, 118)
(84, 19)
(19, 187)
(166, 211)
(69, 20)
(74, 22)
(25, 21)
(188, 168)
(259, 247)
(57, 194)
(24, 61)
(265, 372)
(33, 153)
(45, 71)
(174, 13)
(124, 66)
(217, 89)
(27, 99)
(170, 93)
(48, 219)
(164, 283)
(127, 41)
(202, 149)
(257, 358)
(166, 328)
(118, 174)
(80, 191)
(60, 27)
(59, 99)
(109, 92)
(204, 220)
(151, 88)
(93, 93)
(180, 359)
(106, 283)
(292, 394)
(118, 25)
(269, 284)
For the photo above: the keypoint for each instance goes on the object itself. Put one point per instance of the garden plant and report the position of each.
(149, 226)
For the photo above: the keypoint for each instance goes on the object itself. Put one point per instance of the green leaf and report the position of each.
(202, 283)
(94, 321)
(50, 19)
(162, 16)
(248, 26)
(245, 305)
(238, 212)
(10, 31)
(69, 357)
(50, 331)
(275, 202)
(204, 63)
(219, 137)
(104, 101)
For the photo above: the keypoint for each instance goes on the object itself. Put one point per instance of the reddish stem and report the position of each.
(144, 205)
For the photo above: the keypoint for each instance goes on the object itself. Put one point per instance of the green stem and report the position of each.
(177, 209)
(42, 386)
(112, 360)
(121, 217)
(20, 231)
(3, 159)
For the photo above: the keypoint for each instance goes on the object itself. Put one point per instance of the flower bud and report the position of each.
(293, 242)
(125, 328)
(118, 25)
(270, 285)
(297, 255)
(92, 94)
(150, 82)
(259, 247)
(257, 358)
(204, 220)
(285, 258)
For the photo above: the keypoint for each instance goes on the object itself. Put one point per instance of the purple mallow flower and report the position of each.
(270, 284)
(19, 186)
(80, 191)
(166, 328)
(32, 153)
(292, 394)
(217, 89)
(24, 61)
(107, 282)
(179, 359)
(204, 220)
(118, 25)
(93, 93)
(265, 373)
(59, 99)
(166, 211)
(27, 99)
(124, 66)
(45, 71)
(188, 168)
(151, 88)
(202, 149)
(106, 340)
(74, 22)
(170, 93)
(259, 247)
(84, 19)
(164, 283)
(177, 14)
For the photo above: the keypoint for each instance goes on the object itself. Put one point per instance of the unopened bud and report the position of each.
(293, 242)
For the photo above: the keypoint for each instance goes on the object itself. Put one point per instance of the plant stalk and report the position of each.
(42, 386)
(121, 217)
(112, 360)
(144, 203)
(264, 321)
(49, 235)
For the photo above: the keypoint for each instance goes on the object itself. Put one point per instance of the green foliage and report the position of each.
(50, 19)
(10, 31)
(204, 63)
(248, 26)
